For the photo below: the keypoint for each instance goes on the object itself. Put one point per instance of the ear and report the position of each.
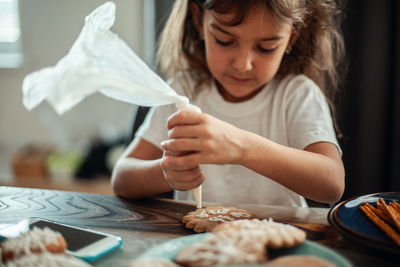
(292, 40)
(197, 17)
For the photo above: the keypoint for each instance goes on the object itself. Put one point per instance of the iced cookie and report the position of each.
(153, 263)
(35, 241)
(225, 247)
(204, 220)
(47, 260)
(273, 234)
(301, 261)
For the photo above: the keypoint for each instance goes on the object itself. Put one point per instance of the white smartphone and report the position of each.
(86, 244)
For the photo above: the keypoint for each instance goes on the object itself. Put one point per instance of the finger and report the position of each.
(184, 117)
(188, 185)
(180, 179)
(184, 131)
(175, 153)
(167, 166)
(170, 183)
(182, 168)
(175, 147)
(187, 175)
(191, 159)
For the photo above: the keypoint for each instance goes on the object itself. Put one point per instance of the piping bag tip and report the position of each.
(197, 192)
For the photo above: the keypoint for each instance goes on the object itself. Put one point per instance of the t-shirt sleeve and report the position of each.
(308, 115)
(154, 127)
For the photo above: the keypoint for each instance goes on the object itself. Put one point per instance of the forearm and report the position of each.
(135, 178)
(315, 176)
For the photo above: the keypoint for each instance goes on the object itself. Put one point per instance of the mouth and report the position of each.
(239, 80)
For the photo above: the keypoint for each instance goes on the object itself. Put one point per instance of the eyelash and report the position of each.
(266, 51)
(226, 44)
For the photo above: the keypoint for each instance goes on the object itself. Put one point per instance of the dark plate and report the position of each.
(348, 219)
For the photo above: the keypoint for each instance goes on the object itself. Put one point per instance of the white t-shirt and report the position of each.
(291, 112)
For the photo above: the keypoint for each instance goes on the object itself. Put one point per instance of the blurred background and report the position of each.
(39, 147)
(370, 103)
(77, 150)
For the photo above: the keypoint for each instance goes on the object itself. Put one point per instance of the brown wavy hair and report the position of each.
(317, 53)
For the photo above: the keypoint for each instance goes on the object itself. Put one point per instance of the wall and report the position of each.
(49, 27)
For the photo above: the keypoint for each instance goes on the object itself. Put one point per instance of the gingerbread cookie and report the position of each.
(204, 220)
(301, 261)
(225, 247)
(240, 241)
(35, 241)
(47, 260)
(152, 262)
(272, 234)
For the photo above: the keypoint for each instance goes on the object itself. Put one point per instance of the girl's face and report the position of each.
(245, 57)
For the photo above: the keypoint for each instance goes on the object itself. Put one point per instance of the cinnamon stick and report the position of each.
(381, 224)
(378, 212)
(391, 213)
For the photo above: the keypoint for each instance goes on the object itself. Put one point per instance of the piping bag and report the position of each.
(99, 61)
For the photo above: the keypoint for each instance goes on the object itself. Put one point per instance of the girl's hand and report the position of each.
(181, 177)
(199, 138)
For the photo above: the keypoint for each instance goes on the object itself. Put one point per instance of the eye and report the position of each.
(266, 50)
(221, 43)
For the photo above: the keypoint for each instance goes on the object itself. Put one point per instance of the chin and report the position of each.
(240, 91)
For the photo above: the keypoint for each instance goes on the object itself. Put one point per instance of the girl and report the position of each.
(263, 73)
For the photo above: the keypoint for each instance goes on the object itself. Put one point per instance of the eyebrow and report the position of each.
(218, 28)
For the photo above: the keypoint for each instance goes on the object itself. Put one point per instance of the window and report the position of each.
(10, 35)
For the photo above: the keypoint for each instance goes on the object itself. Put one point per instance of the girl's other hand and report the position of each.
(199, 138)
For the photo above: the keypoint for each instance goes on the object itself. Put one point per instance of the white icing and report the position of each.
(220, 218)
(36, 239)
(219, 211)
(223, 248)
(47, 260)
(278, 233)
(238, 214)
(203, 214)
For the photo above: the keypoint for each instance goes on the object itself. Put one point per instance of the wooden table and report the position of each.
(98, 185)
(146, 223)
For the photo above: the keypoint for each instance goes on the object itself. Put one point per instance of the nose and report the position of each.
(243, 61)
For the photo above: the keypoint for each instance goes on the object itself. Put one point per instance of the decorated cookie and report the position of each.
(153, 263)
(33, 242)
(47, 260)
(204, 220)
(272, 234)
(225, 247)
(301, 261)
